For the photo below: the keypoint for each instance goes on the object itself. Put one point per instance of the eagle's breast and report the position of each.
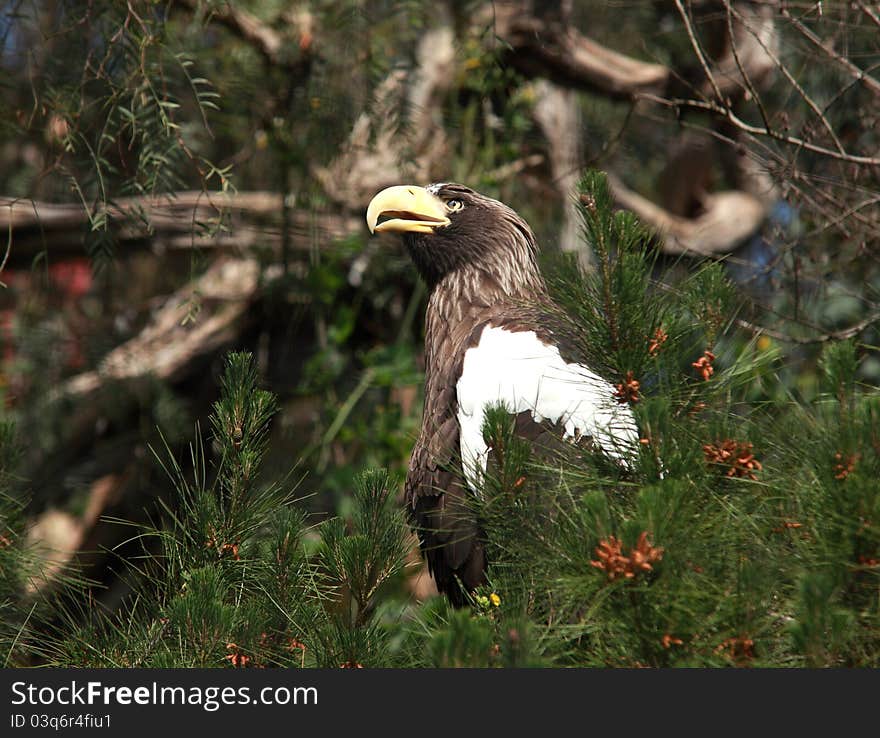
(518, 370)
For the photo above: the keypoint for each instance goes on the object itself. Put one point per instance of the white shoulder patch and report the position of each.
(521, 372)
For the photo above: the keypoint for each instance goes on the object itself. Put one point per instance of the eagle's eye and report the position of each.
(453, 205)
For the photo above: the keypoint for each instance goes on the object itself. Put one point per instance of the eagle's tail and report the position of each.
(454, 546)
(458, 584)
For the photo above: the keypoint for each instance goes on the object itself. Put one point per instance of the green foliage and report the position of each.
(240, 421)
(821, 628)
(372, 550)
(609, 305)
(121, 107)
(14, 566)
(231, 574)
(839, 364)
(365, 385)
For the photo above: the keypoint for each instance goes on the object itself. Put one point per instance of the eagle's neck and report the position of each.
(466, 292)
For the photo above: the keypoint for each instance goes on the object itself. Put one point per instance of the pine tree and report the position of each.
(233, 574)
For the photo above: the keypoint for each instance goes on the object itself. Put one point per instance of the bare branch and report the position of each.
(698, 50)
(732, 118)
(172, 221)
(556, 112)
(846, 215)
(746, 77)
(792, 81)
(854, 71)
(875, 18)
(840, 335)
(400, 139)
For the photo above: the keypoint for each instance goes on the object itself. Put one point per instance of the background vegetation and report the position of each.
(180, 179)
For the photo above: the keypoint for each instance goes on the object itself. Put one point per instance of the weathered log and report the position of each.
(185, 331)
(168, 344)
(564, 55)
(56, 536)
(727, 219)
(557, 113)
(180, 220)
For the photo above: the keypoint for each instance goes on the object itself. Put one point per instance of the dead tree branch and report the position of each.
(841, 335)
(727, 114)
(250, 29)
(556, 112)
(400, 139)
(747, 64)
(543, 47)
(858, 74)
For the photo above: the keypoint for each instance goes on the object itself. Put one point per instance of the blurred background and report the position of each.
(183, 177)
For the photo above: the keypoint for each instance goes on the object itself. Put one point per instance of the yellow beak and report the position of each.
(410, 209)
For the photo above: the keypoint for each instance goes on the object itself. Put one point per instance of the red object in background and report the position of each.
(73, 279)
(69, 280)
(72, 276)
(6, 334)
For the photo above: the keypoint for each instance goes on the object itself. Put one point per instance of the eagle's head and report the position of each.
(450, 228)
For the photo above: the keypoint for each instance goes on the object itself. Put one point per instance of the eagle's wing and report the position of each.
(448, 530)
(527, 375)
(437, 497)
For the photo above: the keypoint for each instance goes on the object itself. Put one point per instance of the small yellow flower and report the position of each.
(764, 343)
(495, 599)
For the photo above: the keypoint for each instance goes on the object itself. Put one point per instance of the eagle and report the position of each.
(485, 345)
